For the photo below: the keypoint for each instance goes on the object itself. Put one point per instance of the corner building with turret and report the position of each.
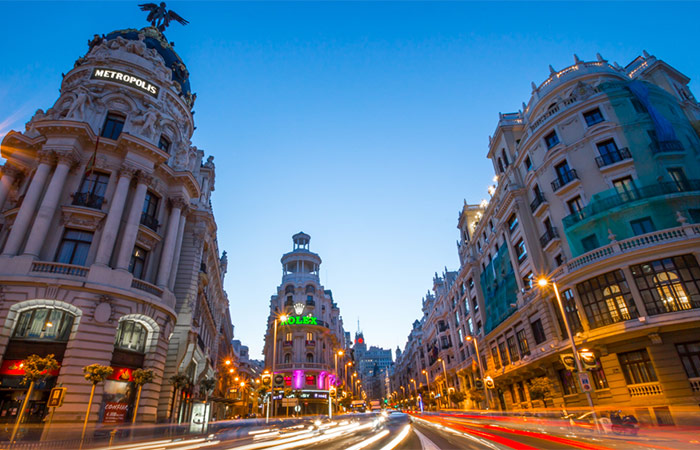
(108, 250)
(309, 332)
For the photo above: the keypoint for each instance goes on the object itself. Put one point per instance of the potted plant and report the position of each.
(36, 368)
(141, 377)
(94, 373)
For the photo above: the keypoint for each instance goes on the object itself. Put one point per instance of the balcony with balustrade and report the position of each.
(608, 159)
(565, 178)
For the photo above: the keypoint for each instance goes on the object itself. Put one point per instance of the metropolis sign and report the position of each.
(126, 79)
(301, 321)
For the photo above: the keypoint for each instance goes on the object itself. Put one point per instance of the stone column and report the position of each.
(31, 198)
(132, 222)
(43, 219)
(166, 255)
(178, 250)
(9, 175)
(114, 217)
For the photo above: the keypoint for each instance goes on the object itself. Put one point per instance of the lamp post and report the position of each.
(543, 283)
(427, 381)
(481, 370)
(447, 385)
(415, 389)
(347, 378)
(352, 379)
(282, 318)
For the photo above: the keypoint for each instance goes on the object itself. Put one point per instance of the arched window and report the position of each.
(131, 335)
(289, 289)
(287, 358)
(310, 357)
(617, 307)
(44, 323)
(310, 289)
(671, 291)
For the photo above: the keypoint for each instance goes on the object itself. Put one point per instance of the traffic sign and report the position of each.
(489, 382)
(56, 397)
(290, 401)
(585, 381)
(297, 408)
(279, 380)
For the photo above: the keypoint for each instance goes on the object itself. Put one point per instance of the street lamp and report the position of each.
(543, 282)
(415, 389)
(481, 370)
(447, 385)
(282, 318)
(427, 380)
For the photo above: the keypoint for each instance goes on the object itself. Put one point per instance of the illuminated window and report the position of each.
(522, 342)
(521, 251)
(513, 349)
(137, 265)
(44, 323)
(669, 285)
(309, 336)
(598, 379)
(131, 335)
(606, 299)
(288, 337)
(494, 356)
(504, 355)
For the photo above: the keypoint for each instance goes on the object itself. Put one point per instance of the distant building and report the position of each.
(304, 356)
(372, 365)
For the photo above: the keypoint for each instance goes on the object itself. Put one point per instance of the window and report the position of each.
(521, 251)
(113, 125)
(551, 139)
(589, 243)
(44, 323)
(505, 157)
(528, 281)
(609, 153)
(309, 299)
(310, 289)
(528, 164)
(288, 337)
(137, 265)
(637, 367)
(471, 283)
(606, 299)
(512, 222)
(74, 247)
(310, 357)
(689, 353)
(289, 301)
(569, 304)
(461, 337)
(642, 226)
(559, 260)
(504, 355)
(131, 335)
(694, 214)
(598, 379)
(568, 382)
(289, 289)
(470, 326)
(457, 317)
(575, 205)
(494, 355)
(164, 144)
(150, 208)
(475, 304)
(563, 172)
(466, 305)
(287, 358)
(522, 342)
(625, 188)
(309, 336)
(668, 285)
(512, 349)
(92, 190)
(593, 117)
(678, 177)
(538, 331)
(500, 166)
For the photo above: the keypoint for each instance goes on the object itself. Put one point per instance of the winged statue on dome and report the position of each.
(161, 17)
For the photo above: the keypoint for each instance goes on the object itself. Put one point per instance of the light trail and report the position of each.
(369, 441)
(158, 444)
(397, 440)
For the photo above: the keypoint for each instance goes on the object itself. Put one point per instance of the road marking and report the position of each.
(369, 441)
(426, 443)
(397, 440)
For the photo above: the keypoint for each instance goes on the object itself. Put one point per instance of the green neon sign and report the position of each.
(298, 320)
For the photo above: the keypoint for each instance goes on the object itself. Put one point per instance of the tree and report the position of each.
(476, 395)
(179, 382)
(141, 377)
(94, 373)
(540, 388)
(458, 396)
(35, 369)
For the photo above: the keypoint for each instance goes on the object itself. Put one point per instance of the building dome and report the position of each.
(156, 40)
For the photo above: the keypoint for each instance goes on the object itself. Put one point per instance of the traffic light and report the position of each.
(332, 391)
(266, 379)
(489, 382)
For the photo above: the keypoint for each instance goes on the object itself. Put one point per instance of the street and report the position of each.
(431, 431)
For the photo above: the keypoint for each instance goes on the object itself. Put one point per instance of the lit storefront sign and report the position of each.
(126, 79)
(298, 320)
(15, 367)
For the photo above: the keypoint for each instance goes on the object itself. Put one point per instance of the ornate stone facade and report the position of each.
(108, 240)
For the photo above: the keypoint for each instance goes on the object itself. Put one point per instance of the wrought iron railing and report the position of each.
(88, 200)
(613, 157)
(563, 179)
(548, 235)
(149, 221)
(539, 199)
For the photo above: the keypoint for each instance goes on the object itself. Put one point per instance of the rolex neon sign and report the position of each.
(298, 320)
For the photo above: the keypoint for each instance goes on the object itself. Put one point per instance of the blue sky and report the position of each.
(363, 124)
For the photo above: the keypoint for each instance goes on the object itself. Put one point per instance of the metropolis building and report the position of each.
(304, 357)
(598, 190)
(108, 250)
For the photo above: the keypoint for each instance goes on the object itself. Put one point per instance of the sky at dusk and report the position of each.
(365, 125)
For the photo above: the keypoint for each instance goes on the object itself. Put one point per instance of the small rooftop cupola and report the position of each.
(301, 241)
(301, 263)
